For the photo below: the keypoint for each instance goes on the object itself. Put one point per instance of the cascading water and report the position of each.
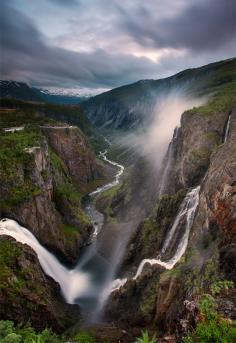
(169, 160)
(86, 282)
(73, 282)
(227, 129)
(186, 212)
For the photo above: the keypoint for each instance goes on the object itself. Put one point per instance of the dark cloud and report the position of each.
(27, 56)
(203, 29)
(201, 25)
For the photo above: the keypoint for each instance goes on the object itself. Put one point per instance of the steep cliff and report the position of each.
(46, 169)
(161, 299)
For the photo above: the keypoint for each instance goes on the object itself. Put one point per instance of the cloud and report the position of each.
(202, 25)
(65, 2)
(156, 135)
(27, 56)
(83, 45)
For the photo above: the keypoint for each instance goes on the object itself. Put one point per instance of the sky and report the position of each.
(109, 43)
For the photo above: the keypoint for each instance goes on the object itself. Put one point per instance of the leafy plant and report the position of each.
(25, 334)
(12, 338)
(221, 285)
(145, 338)
(212, 327)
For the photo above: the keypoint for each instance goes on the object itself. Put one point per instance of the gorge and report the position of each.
(129, 229)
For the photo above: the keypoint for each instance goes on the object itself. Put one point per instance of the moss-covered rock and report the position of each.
(26, 293)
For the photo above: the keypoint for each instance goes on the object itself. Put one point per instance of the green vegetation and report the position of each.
(145, 338)
(25, 334)
(220, 83)
(9, 333)
(200, 156)
(160, 220)
(15, 163)
(84, 337)
(212, 327)
(15, 281)
(17, 112)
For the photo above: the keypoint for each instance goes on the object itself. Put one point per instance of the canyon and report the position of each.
(122, 242)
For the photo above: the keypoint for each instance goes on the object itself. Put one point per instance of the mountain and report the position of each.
(22, 91)
(129, 106)
(18, 90)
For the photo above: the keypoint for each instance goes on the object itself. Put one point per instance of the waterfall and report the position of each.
(86, 284)
(187, 211)
(227, 129)
(170, 153)
(74, 283)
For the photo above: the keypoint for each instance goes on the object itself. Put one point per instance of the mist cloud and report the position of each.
(153, 142)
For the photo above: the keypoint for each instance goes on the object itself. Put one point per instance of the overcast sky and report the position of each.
(108, 43)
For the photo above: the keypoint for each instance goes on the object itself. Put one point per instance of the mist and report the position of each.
(153, 140)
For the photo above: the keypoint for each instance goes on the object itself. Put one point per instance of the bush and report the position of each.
(25, 334)
(212, 327)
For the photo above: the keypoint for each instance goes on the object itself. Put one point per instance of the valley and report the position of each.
(118, 215)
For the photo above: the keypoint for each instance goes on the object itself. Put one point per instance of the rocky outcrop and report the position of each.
(197, 138)
(39, 213)
(27, 294)
(160, 296)
(72, 147)
(52, 176)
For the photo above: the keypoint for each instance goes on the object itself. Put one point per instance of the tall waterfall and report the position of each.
(74, 283)
(186, 212)
(227, 129)
(86, 284)
(169, 160)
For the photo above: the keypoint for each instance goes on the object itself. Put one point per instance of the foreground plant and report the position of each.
(146, 339)
(212, 327)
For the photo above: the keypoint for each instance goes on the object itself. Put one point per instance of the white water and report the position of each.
(187, 211)
(166, 170)
(227, 129)
(75, 283)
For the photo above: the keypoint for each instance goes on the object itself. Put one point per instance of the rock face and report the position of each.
(58, 171)
(27, 294)
(160, 295)
(39, 213)
(196, 139)
(72, 147)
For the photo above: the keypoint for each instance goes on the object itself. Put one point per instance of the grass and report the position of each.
(15, 167)
(13, 280)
